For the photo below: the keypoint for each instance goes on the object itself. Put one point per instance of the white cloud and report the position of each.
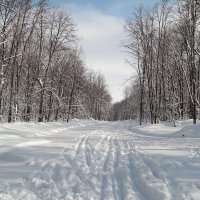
(101, 36)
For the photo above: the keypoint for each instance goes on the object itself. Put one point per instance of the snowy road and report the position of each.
(99, 161)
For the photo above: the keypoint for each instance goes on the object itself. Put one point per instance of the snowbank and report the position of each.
(35, 129)
(192, 131)
(184, 128)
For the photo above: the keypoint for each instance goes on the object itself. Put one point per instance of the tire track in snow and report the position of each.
(116, 177)
(133, 192)
(149, 186)
(88, 165)
(130, 191)
(99, 168)
(106, 173)
(119, 190)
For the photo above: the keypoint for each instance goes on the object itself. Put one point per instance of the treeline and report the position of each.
(164, 49)
(42, 74)
(128, 107)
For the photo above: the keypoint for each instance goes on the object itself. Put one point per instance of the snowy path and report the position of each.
(99, 161)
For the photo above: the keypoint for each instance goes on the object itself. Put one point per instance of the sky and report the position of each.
(100, 28)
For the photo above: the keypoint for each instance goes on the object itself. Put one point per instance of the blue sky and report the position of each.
(113, 7)
(100, 26)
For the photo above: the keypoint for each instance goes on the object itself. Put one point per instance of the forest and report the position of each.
(163, 48)
(43, 76)
(144, 147)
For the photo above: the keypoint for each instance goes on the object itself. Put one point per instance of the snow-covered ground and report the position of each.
(93, 160)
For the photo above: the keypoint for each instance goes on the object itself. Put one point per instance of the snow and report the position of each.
(86, 159)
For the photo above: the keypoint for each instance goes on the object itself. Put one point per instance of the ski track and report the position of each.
(107, 164)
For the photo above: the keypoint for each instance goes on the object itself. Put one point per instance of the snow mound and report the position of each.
(192, 131)
(35, 129)
(184, 128)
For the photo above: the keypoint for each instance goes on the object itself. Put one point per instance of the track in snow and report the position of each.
(107, 162)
